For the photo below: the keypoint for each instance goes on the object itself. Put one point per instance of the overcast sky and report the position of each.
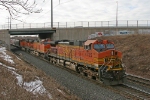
(85, 10)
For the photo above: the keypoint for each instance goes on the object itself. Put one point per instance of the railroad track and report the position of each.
(133, 92)
(138, 80)
(125, 89)
(135, 87)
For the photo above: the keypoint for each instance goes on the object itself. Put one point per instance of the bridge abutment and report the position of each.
(5, 38)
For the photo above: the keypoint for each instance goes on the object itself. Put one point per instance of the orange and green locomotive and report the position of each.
(96, 59)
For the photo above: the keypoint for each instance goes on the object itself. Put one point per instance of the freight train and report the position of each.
(96, 59)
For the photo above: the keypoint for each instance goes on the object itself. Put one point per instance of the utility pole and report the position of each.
(51, 13)
(117, 18)
(10, 21)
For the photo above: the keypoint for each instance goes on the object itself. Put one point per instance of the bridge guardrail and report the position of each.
(119, 23)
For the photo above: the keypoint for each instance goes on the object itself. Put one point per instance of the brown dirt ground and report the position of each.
(10, 90)
(135, 49)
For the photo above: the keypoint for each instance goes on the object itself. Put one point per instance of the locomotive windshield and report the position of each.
(99, 47)
(109, 46)
(102, 47)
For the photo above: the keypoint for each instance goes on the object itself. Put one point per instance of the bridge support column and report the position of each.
(5, 37)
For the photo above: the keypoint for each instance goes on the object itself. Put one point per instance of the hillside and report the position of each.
(22, 81)
(136, 52)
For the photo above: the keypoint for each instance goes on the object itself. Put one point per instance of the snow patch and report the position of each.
(61, 91)
(2, 49)
(18, 58)
(9, 68)
(35, 87)
(5, 56)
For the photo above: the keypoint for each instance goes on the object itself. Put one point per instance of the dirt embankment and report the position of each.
(136, 52)
(11, 90)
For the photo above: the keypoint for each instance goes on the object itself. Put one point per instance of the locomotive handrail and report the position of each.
(105, 66)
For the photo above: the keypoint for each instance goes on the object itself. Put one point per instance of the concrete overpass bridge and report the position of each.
(73, 30)
(41, 32)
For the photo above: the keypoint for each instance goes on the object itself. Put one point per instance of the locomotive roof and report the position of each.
(89, 42)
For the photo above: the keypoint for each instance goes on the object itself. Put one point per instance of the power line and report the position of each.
(44, 13)
(30, 15)
(54, 8)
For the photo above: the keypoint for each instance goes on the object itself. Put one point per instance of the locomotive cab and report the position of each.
(107, 60)
(100, 46)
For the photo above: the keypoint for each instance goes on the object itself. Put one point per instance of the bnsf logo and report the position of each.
(99, 34)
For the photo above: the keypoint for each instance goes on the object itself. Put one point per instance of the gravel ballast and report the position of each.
(77, 85)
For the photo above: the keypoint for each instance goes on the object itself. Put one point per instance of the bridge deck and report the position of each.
(31, 31)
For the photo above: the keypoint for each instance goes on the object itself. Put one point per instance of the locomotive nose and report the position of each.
(114, 53)
(116, 74)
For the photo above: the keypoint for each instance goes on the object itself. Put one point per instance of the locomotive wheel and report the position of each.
(81, 70)
(77, 69)
(90, 76)
(93, 77)
(45, 57)
(57, 61)
(83, 73)
(50, 60)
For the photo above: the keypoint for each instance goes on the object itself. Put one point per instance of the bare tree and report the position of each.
(15, 7)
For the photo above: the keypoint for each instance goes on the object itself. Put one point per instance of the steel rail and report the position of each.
(138, 80)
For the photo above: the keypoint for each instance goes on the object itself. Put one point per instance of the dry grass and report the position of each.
(9, 90)
(135, 49)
